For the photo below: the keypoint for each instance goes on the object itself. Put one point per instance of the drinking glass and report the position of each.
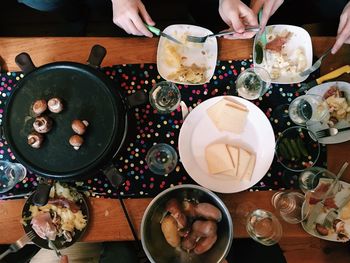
(297, 149)
(310, 178)
(289, 205)
(308, 108)
(10, 175)
(253, 83)
(161, 158)
(165, 97)
(264, 227)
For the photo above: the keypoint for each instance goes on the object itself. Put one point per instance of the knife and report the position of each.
(158, 32)
(331, 75)
(315, 211)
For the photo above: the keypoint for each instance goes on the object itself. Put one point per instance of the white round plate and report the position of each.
(198, 131)
(300, 38)
(321, 90)
(339, 197)
(204, 55)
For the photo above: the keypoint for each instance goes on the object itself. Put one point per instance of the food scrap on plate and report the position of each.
(339, 107)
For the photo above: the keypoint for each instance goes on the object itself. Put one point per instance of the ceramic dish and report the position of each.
(171, 55)
(321, 90)
(300, 39)
(198, 131)
(332, 236)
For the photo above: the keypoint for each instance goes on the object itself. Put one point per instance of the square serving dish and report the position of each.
(170, 56)
(299, 39)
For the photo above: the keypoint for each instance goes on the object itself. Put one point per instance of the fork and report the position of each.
(333, 213)
(316, 65)
(330, 132)
(196, 39)
(20, 243)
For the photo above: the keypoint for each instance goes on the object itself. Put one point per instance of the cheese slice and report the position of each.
(234, 103)
(218, 158)
(215, 111)
(243, 161)
(250, 168)
(233, 151)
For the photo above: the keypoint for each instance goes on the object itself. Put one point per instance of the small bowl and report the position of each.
(156, 247)
(297, 149)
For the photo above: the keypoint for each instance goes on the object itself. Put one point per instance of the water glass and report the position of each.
(253, 83)
(307, 109)
(165, 97)
(10, 175)
(161, 158)
(264, 227)
(289, 205)
(310, 178)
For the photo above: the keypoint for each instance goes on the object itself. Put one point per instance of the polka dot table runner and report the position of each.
(146, 128)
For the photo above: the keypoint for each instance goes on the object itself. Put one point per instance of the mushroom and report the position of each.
(76, 141)
(39, 106)
(79, 127)
(35, 139)
(42, 124)
(55, 105)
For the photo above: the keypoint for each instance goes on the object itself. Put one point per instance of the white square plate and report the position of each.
(300, 39)
(204, 55)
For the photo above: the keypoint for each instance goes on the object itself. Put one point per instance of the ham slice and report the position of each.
(63, 202)
(43, 226)
(278, 43)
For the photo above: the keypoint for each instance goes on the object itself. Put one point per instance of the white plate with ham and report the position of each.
(287, 53)
(226, 151)
(63, 219)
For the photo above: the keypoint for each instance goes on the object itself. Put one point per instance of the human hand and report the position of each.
(64, 259)
(129, 15)
(237, 16)
(269, 8)
(343, 35)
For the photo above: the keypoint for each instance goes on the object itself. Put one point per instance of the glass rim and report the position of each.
(253, 69)
(280, 136)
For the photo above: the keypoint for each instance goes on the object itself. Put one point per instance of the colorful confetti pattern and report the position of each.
(146, 128)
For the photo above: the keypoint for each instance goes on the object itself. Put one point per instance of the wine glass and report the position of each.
(307, 109)
(264, 227)
(161, 158)
(297, 149)
(165, 97)
(289, 205)
(10, 175)
(253, 83)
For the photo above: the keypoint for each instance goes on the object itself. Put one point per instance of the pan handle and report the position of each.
(42, 193)
(137, 98)
(96, 56)
(24, 62)
(113, 175)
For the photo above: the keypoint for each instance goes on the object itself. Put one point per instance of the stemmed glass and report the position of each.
(253, 83)
(10, 175)
(307, 109)
(161, 158)
(165, 97)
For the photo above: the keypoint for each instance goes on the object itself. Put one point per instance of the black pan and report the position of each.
(87, 94)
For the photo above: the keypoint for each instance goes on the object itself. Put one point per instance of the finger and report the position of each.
(342, 23)
(146, 17)
(256, 6)
(266, 13)
(342, 37)
(140, 26)
(248, 16)
(132, 28)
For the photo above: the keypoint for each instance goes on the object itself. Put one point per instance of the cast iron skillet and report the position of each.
(87, 94)
(60, 241)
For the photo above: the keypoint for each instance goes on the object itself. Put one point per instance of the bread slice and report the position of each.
(234, 103)
(250, 168)
(233, 151)
(218, 159)
(243, 161)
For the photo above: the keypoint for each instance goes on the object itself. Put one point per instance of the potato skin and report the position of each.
(169, 229)
(203, 228)
(189, 208)
(208, 211)
(174, 208)
(204, 244)
(189, 242)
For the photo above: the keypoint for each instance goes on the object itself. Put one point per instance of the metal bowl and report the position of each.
(154, 243)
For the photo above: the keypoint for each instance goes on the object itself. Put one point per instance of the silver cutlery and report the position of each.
(333, 213)
(20, 243)
(330, 132)
(63, 258)
(315, 211)
(158, 32)
(316, 65)
(202, 39)
(185, 110)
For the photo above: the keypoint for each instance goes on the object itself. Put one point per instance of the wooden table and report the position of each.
(107, 220)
